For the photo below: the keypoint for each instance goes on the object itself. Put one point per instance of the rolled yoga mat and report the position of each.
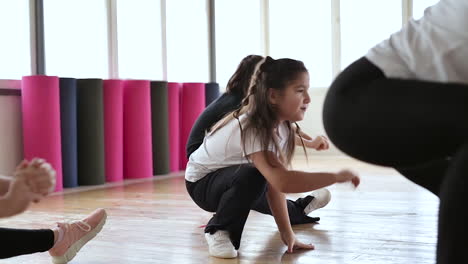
(41, 121)
(160, 127)
(138, 154)
(192, 105)
(173, 95)
(68, 124)
(113, 129)
(211, 93)
(91, 164)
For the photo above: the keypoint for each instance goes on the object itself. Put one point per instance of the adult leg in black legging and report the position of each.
(17, 242)
(428, 174)
(410, 125)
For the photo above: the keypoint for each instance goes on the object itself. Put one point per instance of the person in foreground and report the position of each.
(406, 105)
(31, 182)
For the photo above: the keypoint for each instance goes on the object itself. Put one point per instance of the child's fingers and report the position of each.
(41, 181)
(43, 184)
(32, 186)
(36, 162)
(46, 165)
(356, 181)
(300, 245)
(47, 168)
(23, 164)
(35, 197)
(290, 247)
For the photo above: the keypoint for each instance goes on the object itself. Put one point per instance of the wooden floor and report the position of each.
(386, 220)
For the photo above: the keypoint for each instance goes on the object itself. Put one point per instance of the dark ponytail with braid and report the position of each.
(262, 117)
(240, 80)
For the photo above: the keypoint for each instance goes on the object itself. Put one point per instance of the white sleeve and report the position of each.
(253, 144)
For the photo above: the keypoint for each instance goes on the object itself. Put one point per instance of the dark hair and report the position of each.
(262, 115)
(240, 80)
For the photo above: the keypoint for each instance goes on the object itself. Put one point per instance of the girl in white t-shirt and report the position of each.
(249, 152)
(236, 90)
(405, 105)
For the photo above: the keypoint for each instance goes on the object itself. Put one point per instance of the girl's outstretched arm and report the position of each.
(292, 181)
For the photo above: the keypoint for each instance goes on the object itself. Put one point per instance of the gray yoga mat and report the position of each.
(211, 92)
(160, 127)
(90, 132)
(68, 125)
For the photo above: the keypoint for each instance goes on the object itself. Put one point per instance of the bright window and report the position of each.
(76, 38)
(420, 5)
(364, 24)
(139, 39)
(236, 38)
(15, 51)
(187, 41)
(301, 29)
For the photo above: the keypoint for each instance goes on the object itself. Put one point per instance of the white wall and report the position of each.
(312, 123)
(11, 141)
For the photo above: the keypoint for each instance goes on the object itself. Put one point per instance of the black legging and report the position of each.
(16, 242)
(418, 127)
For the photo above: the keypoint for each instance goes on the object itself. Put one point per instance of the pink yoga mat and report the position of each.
(138, 153)
(41, 121)
(173, 96)
(113, 129)
(192, 105)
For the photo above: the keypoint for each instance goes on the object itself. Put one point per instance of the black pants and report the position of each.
(15, 242)
(232, 192)
(420, 128)
(210, 188)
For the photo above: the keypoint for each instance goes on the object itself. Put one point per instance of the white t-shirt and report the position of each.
(434, 48)
(224, 148)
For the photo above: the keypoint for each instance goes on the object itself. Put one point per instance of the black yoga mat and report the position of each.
(160, 127)
(90, 132)
(211, 92)
(68, 129)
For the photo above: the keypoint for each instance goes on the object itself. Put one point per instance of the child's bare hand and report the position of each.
(39, 176)
(348, 176)
(294, 244)
(18, 197)
(319, 143)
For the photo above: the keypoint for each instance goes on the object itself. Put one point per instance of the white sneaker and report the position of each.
(219, 245)
(321, 198)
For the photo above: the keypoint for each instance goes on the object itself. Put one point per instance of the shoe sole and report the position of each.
(325, 202)
(320, 205)
(224, 256)
(71, 252)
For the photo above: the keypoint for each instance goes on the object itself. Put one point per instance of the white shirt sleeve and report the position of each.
(253, 143)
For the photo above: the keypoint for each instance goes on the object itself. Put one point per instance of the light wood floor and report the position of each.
(386, 220)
